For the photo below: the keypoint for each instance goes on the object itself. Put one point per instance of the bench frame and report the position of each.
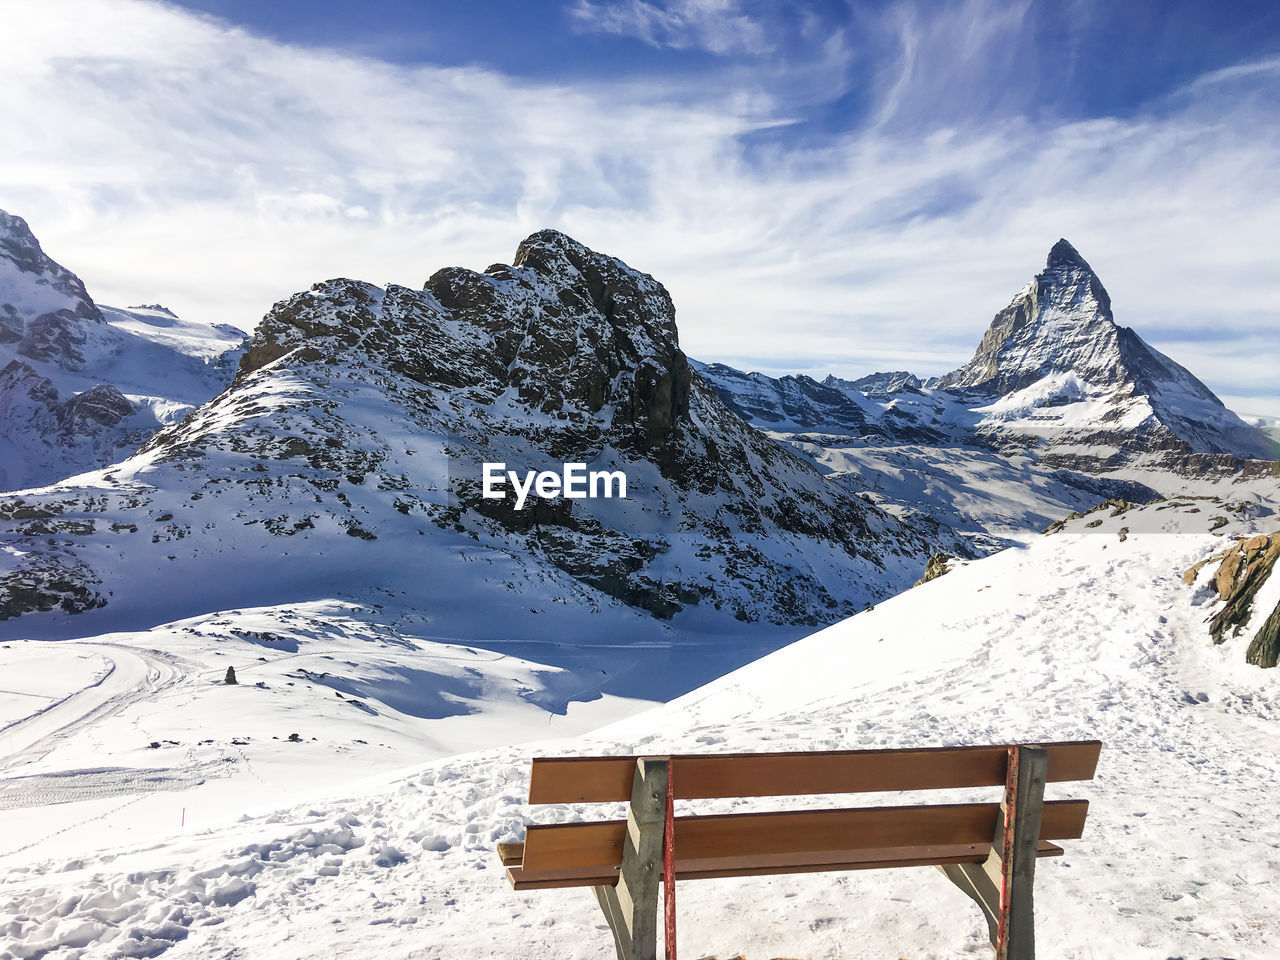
(1000, 884)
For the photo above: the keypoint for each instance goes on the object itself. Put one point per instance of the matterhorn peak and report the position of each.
(1063, 254)
(1057, 343)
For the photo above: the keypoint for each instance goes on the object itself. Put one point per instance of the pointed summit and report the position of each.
(1063, 254)
(1058, 323)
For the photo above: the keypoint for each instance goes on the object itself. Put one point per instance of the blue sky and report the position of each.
(1072, 59)
(824, 187)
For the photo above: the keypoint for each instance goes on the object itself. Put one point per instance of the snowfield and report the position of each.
(1081, 634)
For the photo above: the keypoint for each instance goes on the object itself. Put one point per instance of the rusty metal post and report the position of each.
(669, 865)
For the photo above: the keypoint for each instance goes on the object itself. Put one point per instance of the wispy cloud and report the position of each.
(174, 158)
(717, 26)
(1242, 71)
(939, 61)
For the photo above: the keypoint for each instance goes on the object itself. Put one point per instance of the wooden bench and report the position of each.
(988, 850)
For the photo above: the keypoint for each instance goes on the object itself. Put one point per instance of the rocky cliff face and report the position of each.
(1060, 322)
(83, 385)
(349, 449)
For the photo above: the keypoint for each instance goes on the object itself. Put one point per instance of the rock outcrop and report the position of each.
(1243, 571)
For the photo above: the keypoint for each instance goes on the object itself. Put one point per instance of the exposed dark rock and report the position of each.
(1241, 574)
(55, 335)
(102, 406)
(1117, 508)
(939, 565)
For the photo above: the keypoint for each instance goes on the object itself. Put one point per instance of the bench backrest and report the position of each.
(708, 776)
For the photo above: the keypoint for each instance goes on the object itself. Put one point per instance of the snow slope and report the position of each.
(1082, 634)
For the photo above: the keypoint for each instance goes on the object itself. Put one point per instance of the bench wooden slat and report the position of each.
(569, 846)
(511, 853)
(703, 776)
(522, 879)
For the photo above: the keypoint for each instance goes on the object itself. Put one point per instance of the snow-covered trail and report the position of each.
(130, 675)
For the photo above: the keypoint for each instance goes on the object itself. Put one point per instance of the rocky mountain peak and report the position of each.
(880, 384)
(1058, 324)
(572, 332)
(1064, 255)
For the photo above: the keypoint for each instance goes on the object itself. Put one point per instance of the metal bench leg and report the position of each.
(631, 907)
(1002, 885)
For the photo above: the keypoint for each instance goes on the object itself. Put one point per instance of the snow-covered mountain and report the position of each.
(1056, 365)
(347, 456)
(1060, 407)
(81, 385)
(1270, 426)
(186, 850)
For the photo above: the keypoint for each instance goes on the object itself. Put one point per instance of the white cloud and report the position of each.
(717, 26)
(169, 158)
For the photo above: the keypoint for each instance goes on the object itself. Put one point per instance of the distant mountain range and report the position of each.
(345, 458)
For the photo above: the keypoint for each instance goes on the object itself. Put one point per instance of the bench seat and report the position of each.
(749, 844)
(878, 859)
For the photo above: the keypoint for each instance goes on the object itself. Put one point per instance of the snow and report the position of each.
(994, 497)
(28, 295)
(1077, 635)
(361, 697)
(162, 326)
(46, 674)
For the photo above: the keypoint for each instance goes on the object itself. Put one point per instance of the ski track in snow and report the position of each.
(131, 676)
(1180, 856)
